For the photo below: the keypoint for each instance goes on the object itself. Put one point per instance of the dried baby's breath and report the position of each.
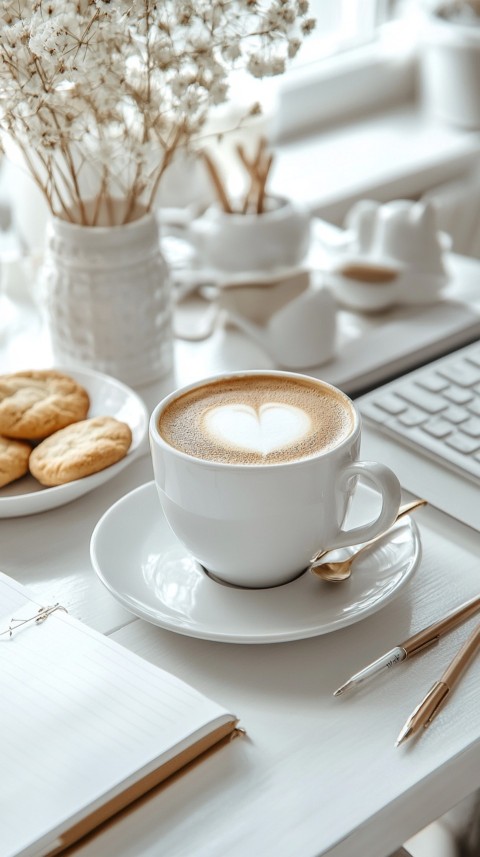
(99, 95)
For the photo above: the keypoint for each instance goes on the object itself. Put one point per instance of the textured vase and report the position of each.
(107, 298)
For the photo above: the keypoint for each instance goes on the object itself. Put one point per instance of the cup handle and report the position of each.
(387, 485)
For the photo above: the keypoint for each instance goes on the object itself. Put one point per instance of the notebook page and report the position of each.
(84, 716)
(12, 596)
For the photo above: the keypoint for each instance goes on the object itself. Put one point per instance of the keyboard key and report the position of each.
(433, 382)
(474, 406)
(473, 355)
(375, 414)
(471, 427)
(461, 372)
(413, 417)
(458, 395)
(456, 414)
(438, 427)
(462, 443)
(422, 398)
(391, 404)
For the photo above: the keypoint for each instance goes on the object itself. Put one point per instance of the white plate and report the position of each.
(144, 566)
(108, 397)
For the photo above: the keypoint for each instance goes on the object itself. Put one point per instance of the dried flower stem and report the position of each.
(217, 183)
(253, 180)
(98, 200)
(167, 158)
(258, 170)
(252, 168)
(262, 184)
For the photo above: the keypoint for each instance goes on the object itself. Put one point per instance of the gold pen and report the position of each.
(413, 645)
(441, 690)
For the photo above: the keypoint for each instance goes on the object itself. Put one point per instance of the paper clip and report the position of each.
(37, 619)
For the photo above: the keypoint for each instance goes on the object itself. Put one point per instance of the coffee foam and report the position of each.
(271, 427)
(257, 419)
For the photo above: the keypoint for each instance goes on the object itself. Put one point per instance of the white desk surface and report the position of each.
(315, 775)
(369, 347)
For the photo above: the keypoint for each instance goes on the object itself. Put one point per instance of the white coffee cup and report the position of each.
(259, 524)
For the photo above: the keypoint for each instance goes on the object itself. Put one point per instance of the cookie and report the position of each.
(14, 455)
(35, 404)
(80, 450)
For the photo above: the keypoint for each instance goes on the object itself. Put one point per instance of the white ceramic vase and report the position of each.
(107, 298)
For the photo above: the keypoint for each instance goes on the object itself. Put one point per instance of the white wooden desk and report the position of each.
(315, 775)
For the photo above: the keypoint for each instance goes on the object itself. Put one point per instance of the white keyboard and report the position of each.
(435, 409)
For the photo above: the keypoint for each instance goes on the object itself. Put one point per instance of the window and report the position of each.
(358, 59)
(343, 25)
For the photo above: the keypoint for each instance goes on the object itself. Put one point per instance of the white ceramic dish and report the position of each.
(408, 288)
(144, 566)
(107, 397)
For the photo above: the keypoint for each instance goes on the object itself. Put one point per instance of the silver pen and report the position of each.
(413, 645)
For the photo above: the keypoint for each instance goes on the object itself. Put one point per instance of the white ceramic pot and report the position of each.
(107, 298)
(450, 65)
(277, 238)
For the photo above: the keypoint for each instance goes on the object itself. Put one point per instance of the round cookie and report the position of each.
(79, 450)
(35, 404)
(14, 455)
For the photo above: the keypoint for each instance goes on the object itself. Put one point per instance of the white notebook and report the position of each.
(86, 726)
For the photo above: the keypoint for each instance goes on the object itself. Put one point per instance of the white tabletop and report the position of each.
(314, 775)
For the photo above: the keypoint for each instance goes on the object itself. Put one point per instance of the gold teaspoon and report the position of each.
(336, 572)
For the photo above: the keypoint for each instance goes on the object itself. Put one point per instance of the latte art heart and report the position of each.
(257, 419)
(270, 427)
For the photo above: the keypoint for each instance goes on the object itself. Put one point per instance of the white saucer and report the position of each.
(144, 566)
(108, 397)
